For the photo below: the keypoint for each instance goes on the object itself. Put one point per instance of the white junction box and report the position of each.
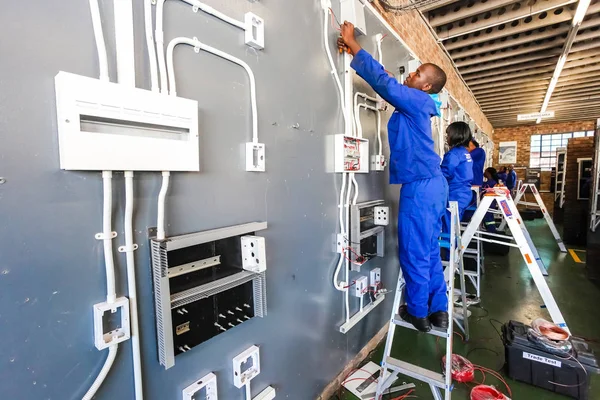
(105, 337)
(378, 163)
(255, 157)
(255, 31)
(353, 11)
(107, 126)
(254, 256)
(361, 285)
(205, 389)
(375, 278)
(246, 366)
(381, 215)
(351, 154)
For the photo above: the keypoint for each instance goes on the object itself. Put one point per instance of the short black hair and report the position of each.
(492, 171)
(459, 134)
(438, 79)
(475, 142)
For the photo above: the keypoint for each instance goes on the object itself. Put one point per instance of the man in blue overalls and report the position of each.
(415, 165)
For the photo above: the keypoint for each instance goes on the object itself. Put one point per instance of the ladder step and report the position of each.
(416, 372)
(435, 331)
(471, 273)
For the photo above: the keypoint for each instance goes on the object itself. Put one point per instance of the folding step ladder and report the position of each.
(474, 253)
(392, 367)
(594, 212)
(560, 174)
(522, 242)
(539, 203)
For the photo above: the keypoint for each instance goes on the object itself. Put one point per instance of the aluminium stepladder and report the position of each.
(515, 223)
(539, 203)
(392, 367)
(560, 172)
(475, 253)
(594, 211)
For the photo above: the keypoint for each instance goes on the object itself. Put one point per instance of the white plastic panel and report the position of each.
(103, 337)
(351, 154)
(207, 384)
(107, 126)
(353, 11)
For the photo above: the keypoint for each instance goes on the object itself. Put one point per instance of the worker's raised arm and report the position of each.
(398, 95)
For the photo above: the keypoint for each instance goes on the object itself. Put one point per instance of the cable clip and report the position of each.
(128, 249)
(196, 48)
(101, 236)
(195, 9)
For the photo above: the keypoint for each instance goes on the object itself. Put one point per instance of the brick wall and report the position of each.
(576, 211)
(522, 135)
(417, 36)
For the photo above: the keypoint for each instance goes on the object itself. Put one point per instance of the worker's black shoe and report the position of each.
(439, 319)
(422, 324)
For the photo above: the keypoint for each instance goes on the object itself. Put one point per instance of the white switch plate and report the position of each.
(378, 163)
(241, 376)
(255, 157)
(255, 31)
(381, 215)
(375, 275)
(208, 383)
(254, 255)
(360, 286)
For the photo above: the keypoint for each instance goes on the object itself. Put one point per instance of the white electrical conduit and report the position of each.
(150, 45)
(336, 284)
(347, 229)
(130, 247)
(199, 45)
(99, 37)
(160, 215)
(109, 264)
(359, 125)
(196, 5)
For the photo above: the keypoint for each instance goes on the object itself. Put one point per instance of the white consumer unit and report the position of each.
(351, 154)
(107, 126)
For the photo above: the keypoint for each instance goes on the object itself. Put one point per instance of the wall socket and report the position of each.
(246, 366)
(255, 157)
(361, 284)
(377, 163)
(375, 278)
(254, 255)
(381, 215)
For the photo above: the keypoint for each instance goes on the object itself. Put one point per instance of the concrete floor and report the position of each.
(508, 292)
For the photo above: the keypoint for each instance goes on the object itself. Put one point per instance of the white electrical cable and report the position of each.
(248, 392)
(100, 43)
(199, 45)
(159, 33)
(379, 52)
(346, 259)
(112, 354)
(336, 284)
(131, 287)
(334, 72)
(150, 45)
(110, 277)
(359, 125)
(160, 215)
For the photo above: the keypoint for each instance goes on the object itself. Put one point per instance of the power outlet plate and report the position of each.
(381, 215)
(360, 286)
(375, 278)
(243, 373)
(341, 243)
(255, 157)
(207, 386)
(255, 31)
(378, 163)
(254, 254)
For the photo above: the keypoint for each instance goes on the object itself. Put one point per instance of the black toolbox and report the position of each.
(527, 363)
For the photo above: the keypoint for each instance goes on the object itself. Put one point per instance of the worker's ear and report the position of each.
(427, 87)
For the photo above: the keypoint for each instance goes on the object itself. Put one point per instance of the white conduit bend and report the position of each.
(160, 215)
(150, 45)
(199, 45)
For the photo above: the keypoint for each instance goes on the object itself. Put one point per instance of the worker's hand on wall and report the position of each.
(347, 41)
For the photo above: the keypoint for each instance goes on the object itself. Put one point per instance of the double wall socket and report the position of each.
(206, 386)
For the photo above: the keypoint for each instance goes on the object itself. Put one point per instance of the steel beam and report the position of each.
(462, 11)
(511, 61)
(499, 55)
(510, 81)
(536, 64)
(436, 5)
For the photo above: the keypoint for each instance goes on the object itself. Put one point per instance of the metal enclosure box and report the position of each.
(363, 228)
(166, 301)
(107, 126)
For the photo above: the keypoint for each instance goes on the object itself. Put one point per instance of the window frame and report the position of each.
(542, 151)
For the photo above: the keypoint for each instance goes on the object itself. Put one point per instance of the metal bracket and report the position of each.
(101, 236)
(125, 249)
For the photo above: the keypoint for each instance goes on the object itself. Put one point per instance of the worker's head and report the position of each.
(511, 167)
(502, 169)
(428, 77)
(491, 173)
(473, 144)
(459, 134)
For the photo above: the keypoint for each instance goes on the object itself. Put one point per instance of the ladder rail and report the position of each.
(594, 212)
